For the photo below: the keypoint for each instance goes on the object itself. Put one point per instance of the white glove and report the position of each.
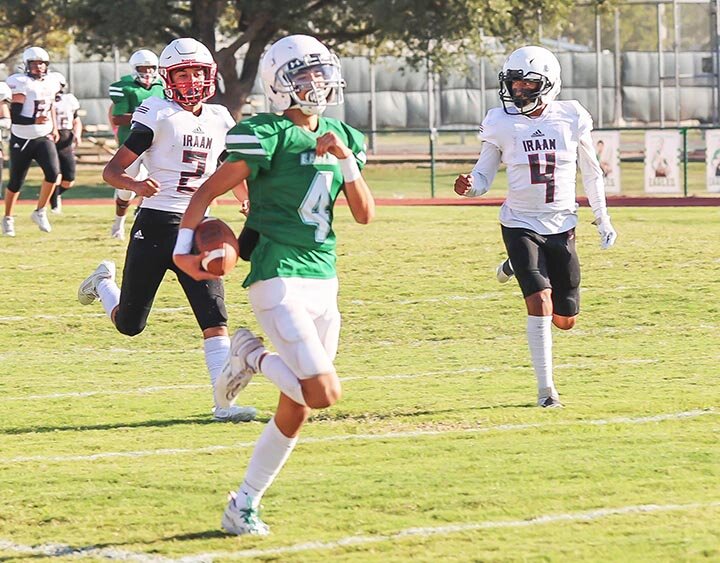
(606, 230)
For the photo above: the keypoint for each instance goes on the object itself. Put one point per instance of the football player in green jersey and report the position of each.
(296, 163)
(127, 94)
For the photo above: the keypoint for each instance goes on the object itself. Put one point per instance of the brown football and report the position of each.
(217, 238)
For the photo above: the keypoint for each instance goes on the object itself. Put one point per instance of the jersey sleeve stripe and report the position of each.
(242, 151)
(245, 139)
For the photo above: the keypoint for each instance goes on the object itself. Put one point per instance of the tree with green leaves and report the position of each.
(444, 30)
(31, 22)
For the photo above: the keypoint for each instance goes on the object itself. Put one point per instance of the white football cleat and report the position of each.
(8, 226)
(243, 521)
(87, 292)
(234, 413)
(117, 231)
(504, 272)
(549, 398)
(237, 372)
(39, 217)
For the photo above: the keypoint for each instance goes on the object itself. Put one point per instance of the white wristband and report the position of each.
(350, 169)
(184, 242)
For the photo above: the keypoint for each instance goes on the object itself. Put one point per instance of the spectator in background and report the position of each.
(70, 133)
(127, 95)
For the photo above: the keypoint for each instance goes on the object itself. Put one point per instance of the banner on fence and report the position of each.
(712, 159)
(607, 148)
(662, 162)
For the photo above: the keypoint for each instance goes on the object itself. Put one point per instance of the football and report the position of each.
(216, 237)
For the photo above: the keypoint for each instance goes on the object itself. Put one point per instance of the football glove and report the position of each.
(606, 230)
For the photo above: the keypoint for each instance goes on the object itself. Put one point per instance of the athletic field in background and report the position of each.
(394, 180)
(435, 452)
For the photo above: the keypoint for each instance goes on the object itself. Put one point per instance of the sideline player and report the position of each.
(69, 127)
(180, 139)
(296, 164)
(33, 135)
(542, 141)
(127, 94)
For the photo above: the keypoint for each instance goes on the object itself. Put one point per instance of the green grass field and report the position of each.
(436, 451)
(397, 181)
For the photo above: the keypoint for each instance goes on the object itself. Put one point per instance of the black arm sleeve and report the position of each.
(17, 119)
(140, 139)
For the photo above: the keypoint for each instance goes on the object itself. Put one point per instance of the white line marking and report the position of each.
(59, 550)
(162, 388)
(457, 528)
(362, 437)
(79, 315)
(440, 299)
(81, 394)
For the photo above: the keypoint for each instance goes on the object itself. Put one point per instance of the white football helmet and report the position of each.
(531, 64)
(300, 72)
(184, 53)
(144, 58)
(36, 54)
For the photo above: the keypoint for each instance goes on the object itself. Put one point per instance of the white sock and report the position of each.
(273, 367)
(539, 336)
(119, 221)
(109, 294)
(270, 454)
(216, 353)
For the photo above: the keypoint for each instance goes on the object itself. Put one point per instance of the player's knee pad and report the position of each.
(123, 197)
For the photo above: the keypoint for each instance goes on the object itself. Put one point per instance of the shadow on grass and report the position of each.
(75, 552)
(200, 419)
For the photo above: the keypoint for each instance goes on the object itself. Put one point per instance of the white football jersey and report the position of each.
(39, 97)
(184, 151)
(65, 109)
(5, 93)
(541, 155)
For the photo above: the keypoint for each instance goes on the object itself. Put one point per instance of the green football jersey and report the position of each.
(292, 193)
(127, 95)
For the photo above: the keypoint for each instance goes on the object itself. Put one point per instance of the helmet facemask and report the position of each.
(145, 75)
(36, 68)
(192, 92)
(523, 101)
(313, 82)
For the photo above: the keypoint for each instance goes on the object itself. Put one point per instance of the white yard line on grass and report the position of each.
(453, 529)
(59, 550)
(361, 437)
(162, 388)
(59, 316)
